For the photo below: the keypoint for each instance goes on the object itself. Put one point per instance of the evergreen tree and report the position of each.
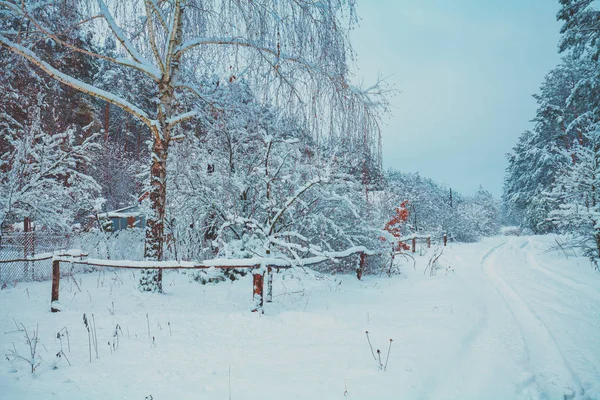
(576, 193)
(537, 158)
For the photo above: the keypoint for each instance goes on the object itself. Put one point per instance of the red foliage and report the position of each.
(396, 223)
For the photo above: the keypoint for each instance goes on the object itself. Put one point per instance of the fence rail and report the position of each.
(19, 248)
(259, 266)
(413, 240)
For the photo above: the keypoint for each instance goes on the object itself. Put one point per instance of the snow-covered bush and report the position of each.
(253, 183)
(43, 174)
(436, 210)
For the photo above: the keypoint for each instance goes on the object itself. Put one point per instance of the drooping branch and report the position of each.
(242, 42)
(78, 84)
(26, 14)
(292, 200)
(125, 42)
(177, 119)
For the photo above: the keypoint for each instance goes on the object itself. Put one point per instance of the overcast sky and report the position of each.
(466, 70)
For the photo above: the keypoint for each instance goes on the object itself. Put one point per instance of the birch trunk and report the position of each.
(151, 280)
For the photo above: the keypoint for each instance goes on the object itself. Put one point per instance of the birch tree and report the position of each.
(294, 53)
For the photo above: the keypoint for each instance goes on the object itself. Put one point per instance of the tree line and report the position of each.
(237, 120)
(553, 172)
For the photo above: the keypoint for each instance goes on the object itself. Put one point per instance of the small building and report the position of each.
(124, 218)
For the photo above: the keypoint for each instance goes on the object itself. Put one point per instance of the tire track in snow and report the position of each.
(527, 381)
(440, 380)
(557, 277)
(551, 372)
(575, 297)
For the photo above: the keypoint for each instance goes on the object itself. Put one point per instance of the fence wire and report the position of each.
(123, 245)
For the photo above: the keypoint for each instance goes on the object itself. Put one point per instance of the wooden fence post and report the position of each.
(269, 285)
(55, 285)
(258, 280)
(445, 239)
(429, 242)
(361, 265)
(27, 246)
(414, 245)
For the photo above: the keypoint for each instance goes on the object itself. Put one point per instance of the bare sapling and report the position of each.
(407, 256)
(34, 360)
(72, 278)
(432, 264)
(19, 328)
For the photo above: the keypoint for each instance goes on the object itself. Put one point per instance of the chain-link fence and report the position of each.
(122, 245)
(23, 245)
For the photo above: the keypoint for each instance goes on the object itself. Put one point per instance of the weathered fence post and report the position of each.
(258, 280)
(361, 265)
(269, 285)
(55, 285)
(414, 244)
(428, 242)
(445, 239)
(28, 249)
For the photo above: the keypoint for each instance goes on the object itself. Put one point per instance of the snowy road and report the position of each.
(507, 318)
(536, 328)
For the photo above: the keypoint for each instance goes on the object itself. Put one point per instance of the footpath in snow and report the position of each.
(506, 318)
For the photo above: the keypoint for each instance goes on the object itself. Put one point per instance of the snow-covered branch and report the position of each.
(77, 84)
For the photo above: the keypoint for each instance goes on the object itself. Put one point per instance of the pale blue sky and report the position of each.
(466, 70)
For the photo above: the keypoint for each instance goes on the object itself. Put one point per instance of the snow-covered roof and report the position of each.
(130, 211)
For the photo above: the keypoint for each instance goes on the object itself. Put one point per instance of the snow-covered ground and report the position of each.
(505, 319)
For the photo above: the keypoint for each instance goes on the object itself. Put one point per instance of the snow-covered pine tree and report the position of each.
(486, 210)
(576, 192)
(580, 32)
(537, 158)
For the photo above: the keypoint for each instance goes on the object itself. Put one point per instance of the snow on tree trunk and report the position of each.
(151, 280)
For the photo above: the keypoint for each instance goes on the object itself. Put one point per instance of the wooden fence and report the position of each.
(259, 267)
(413, 240)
